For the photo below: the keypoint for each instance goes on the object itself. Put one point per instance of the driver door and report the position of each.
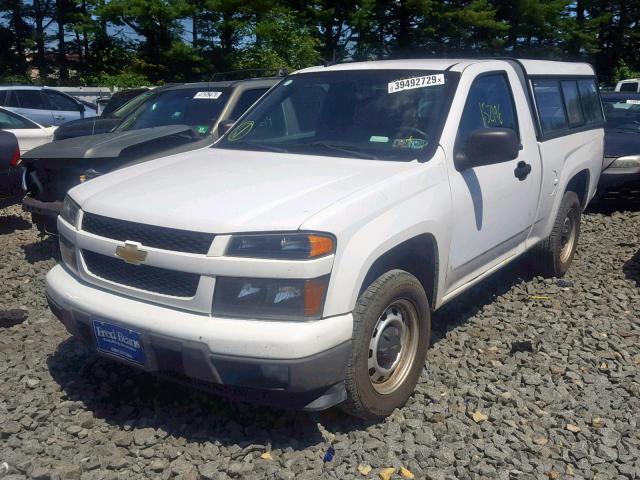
(63, 108)
(493, 205)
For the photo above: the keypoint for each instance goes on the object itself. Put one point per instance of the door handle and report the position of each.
(522, 170)
(59, 117)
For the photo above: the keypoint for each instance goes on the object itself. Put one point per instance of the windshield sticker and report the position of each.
(491, 114)
(410, 143)
(241, 131)
(633, 102)
(202, 128)
(378, 139)
(208, 95)
(415, 82)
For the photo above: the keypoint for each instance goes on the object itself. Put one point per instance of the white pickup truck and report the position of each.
(297, 262)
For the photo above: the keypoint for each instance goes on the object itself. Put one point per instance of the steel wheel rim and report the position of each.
(393, 346)
(567, 237)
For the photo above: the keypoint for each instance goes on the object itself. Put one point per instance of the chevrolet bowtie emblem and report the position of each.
(131, 253)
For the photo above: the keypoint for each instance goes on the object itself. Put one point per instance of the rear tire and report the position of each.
(392, 326)
(552, 257)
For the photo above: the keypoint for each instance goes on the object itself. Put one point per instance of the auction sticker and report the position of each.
(416, 82)
(208, 95)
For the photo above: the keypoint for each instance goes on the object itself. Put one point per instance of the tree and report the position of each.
(19, 33)
(41, 13)
(284, 42)
(156, 21)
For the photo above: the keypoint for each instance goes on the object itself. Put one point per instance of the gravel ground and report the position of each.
(527, 378)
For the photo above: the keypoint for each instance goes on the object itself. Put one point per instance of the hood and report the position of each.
(225, 191)
(86, 126)
(619, 144)
(110, 145)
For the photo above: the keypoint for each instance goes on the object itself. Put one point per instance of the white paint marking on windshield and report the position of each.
(208, 95)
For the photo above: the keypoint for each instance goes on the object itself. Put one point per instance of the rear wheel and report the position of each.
(554, 255)
(392, 325)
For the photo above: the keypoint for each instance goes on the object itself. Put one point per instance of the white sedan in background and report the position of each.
(29, 133)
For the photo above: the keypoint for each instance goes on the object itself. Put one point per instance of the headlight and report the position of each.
(279, 299)
(70, 211)
(631, 161)
(68, 253)
(288, 246)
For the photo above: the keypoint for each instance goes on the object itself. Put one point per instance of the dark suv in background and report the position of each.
(170, 120)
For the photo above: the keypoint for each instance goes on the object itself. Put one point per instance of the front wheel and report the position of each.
(392, 325)
(553, 256)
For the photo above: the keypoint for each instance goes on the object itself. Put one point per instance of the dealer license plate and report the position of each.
(119, 341)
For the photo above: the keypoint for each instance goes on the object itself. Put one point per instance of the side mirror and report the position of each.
(225, 126)
(487, 146)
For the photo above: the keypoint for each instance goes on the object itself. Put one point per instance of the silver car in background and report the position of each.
(44, 105)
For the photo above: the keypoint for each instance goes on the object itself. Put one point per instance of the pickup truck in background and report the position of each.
(299, 259)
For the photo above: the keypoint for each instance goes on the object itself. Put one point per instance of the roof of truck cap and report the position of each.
(550, 67)
(532, 67)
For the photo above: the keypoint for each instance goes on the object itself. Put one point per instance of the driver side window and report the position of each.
(60, 102)
(489, 104)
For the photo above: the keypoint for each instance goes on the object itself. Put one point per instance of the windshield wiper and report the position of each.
(350, 149)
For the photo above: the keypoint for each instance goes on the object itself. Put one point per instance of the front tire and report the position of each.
(553, 256)
(392, 326)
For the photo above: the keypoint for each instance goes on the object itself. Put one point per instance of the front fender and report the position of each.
(371, 223)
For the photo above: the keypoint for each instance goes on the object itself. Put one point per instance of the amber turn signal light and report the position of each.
(320, 246)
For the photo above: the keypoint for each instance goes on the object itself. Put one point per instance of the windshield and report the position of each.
(131, 105)
(622, 114)
(196, 107)
(370, 114)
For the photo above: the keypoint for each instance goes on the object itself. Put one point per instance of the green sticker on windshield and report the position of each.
(202, 129)
(241, 130)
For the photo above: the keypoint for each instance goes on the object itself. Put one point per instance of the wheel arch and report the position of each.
(579, 184)
(418, 256)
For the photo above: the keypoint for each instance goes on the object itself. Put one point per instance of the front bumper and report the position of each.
(298, 365)
(44, 214)
(622, 181)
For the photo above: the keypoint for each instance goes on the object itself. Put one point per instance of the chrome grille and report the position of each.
(149, 235)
